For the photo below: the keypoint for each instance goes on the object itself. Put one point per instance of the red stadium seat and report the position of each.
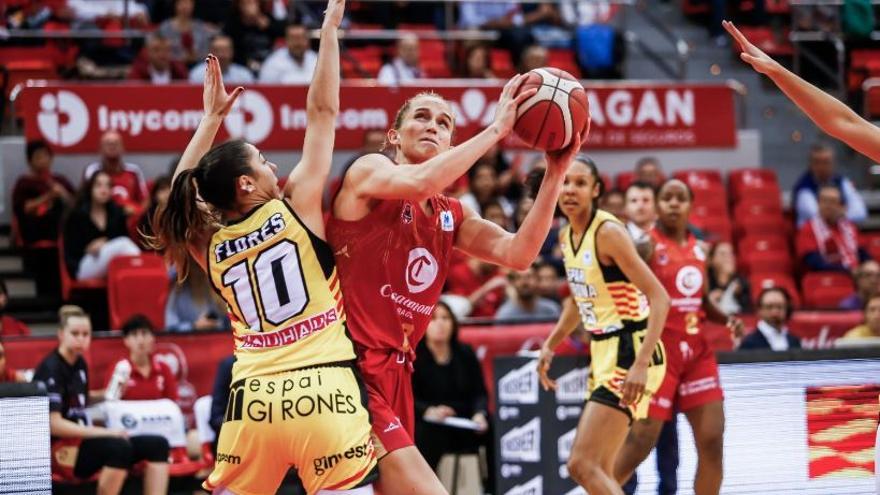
(752, 183)
(768, 261)
(137, 285)
(606, 180)
(699, 178)
(826, 289)
(708, 210)
(763, 225)
(70, 284)
(871, 242)
(744, 211)
(717, 229)
(818, 329)
(502, 63)
(624, 179)
(180, 465)
(563, 59)
(750, 250)
(761, 281)
(714, 195)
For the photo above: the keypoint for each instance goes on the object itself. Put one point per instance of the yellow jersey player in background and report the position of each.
(295, 400)
(609, 283)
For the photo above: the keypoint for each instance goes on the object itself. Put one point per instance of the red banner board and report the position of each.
(194, 356)
(162, 118)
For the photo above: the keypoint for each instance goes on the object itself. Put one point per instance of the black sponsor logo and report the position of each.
(322, 464)
(227, 458)
(289, 399)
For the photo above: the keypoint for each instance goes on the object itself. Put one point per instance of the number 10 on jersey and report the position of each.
(270, 290)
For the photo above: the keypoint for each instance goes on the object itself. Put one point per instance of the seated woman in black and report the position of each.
(78, 448)
(95, 232)
(447, 381)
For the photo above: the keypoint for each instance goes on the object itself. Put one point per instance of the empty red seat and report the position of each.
(699, 178)
(752, 183)
(768, 261)
(871, 242)
(137, 285)
(562, 58)
(708, 210)
(502, 63)
(714, 196)
(70, 284)
(826, 289)
(753, 246)
(717, 229)
(766, 280)
(762, 225)
(624, 179)
(744, 211)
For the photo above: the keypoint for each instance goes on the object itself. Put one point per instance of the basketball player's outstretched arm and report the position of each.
(485, 240)
(615, 241)
(829, 114)
(376, 176)
(568, 322)
(217, 104)
(306, 183)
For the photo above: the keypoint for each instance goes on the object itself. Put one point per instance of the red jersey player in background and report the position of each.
(691, 384)
(393, 232)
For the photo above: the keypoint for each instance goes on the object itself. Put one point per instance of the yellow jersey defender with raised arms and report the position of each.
(294, 360)
(615, 313)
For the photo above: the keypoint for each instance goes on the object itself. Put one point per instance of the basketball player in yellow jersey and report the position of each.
(295, 400)
(609, 283)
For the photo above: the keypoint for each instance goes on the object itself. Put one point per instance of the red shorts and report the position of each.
(387, 375)
(691, 376)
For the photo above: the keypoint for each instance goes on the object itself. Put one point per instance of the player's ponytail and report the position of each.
(197, 197)
(178, 222)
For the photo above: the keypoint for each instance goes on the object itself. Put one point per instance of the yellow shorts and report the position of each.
(314, 420)
(611, 357)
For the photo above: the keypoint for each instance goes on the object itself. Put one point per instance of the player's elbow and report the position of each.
(519, 262)
(325, 109)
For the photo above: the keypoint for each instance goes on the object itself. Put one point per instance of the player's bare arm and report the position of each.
(377, 177)
(306, 182)
(489, 242)
(615, 243)
(829, 114)
(568, 323)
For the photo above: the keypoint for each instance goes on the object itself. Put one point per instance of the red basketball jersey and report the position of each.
(682, 271)
(392, 265)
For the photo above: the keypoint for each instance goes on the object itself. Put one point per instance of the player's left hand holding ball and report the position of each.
(634, 384)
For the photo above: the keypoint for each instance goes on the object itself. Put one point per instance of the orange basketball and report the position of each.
(549, 120)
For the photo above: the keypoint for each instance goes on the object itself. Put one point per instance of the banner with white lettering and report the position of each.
(163, 118)
(148, 417)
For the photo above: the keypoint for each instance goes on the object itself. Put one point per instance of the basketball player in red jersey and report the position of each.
(393, 233)
(691, 383)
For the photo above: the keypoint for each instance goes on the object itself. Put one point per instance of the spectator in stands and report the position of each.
(404, 68)
(481, 283)
(830, 242)
(220, 395)
(40, 197)
(494, 212)
(549, 281)
(254, 31)
(90, 10)
(293, 63)
(871, 327)
(506, 17)
(448, 382)
(7, 373)
(129, 187)
(534, 57)
(66, 377)
(221, 47)
(523, 301)
(483, 189)
(149, 378)
(728, 289)
(192, 305)
(613, 202)
(805, 196)
(159, 192)
(774, 310)
(9, 326)
(190, 38)
(640, 211)
(867, 281)
(476, 63)
(95, 231)
(648, 170)
(155, 63)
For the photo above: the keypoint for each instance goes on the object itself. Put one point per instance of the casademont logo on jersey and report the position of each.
(534, 486)
(522, 444)
(572, 386)
(519, 386)
(563, 445)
